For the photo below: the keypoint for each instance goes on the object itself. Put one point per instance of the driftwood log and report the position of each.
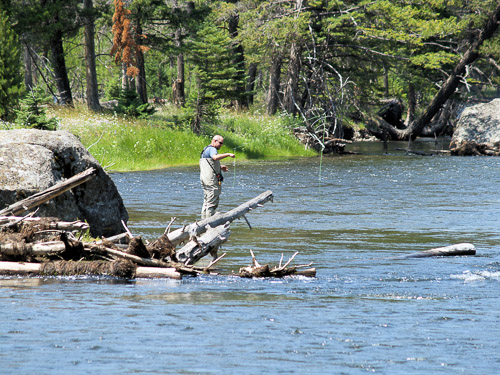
(89, 268)
(44, 196)
(32, 249)
(452, 250)
(199, 227)
(71, 226)
(206, 244)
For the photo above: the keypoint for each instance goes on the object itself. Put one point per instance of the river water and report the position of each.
(367, 311)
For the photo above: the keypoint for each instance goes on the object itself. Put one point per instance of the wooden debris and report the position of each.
(258, 270)
(199, 247)
(55, 251)
(122, 269)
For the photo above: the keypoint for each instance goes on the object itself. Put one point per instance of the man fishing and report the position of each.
(211, 175)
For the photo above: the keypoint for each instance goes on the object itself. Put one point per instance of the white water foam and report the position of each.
(469, 276)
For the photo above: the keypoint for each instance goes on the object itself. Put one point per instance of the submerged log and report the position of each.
(48, 194)
(452, 250)
(197, 228)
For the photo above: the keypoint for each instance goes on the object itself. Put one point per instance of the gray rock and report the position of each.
(34, 160)
(478, 130)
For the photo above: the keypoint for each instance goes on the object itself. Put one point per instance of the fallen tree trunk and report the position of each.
(208, 243)
(19, 268)
(32, 249)
(48, 194)
(58, 225)
(452, 250)
(89, 268)
(195, 229)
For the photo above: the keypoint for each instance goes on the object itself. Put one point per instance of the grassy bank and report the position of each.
(125, 144)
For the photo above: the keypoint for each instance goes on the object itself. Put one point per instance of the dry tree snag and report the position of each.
(197, 228)
(206, 244)
(32, 249)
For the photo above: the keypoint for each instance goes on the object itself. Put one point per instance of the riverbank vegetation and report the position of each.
(327, 63)
(124, 143)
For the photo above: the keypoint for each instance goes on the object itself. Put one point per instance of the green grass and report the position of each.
(125, 144)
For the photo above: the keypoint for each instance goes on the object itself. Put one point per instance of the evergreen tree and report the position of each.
(10, 64)
(32, 114)
(130, 104)
(217, 77)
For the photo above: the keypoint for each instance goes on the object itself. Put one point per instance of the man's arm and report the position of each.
(222, 156)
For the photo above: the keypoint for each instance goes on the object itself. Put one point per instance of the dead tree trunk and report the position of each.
(209, 243)
(88, 268)
(48, 194)
(238, 60)
(199, 227)
(250, 86)
(273, 97)
(7, 221)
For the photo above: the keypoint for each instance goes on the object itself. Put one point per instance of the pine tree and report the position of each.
(32, 114)
(10, 63)
(217, 77)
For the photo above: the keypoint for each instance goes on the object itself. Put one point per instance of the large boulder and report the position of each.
(34, 160)
(478, 130)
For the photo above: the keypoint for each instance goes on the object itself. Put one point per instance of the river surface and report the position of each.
(367, 311)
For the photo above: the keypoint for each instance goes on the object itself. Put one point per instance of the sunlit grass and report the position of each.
(126, 144)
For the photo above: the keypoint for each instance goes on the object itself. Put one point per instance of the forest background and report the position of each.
(145, 83)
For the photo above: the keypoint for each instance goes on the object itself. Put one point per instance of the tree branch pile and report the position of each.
(46, 246)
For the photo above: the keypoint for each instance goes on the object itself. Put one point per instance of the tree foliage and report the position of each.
(10, 68)
(329, 62)
(32, 113)
(125, 47)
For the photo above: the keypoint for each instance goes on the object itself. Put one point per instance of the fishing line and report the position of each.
(234, 167)
(234, 161)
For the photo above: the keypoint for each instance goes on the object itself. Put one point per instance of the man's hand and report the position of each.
(224, 168)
